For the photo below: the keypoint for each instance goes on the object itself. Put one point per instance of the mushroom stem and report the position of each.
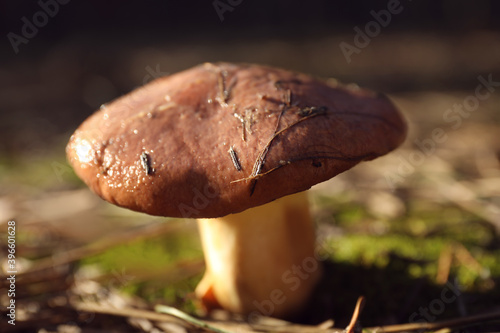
(261, 259)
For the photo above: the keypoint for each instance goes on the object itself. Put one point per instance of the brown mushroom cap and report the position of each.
(221, 138)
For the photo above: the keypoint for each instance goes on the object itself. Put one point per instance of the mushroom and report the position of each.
(236, 146)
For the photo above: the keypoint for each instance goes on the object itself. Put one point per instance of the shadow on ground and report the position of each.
(392, 296)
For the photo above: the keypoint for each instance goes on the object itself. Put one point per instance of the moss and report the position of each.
(396, 267)
(40, 171)
(150, 268)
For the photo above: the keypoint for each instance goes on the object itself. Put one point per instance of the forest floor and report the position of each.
(417, 232)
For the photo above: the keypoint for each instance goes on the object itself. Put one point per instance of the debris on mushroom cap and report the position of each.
(220, 138)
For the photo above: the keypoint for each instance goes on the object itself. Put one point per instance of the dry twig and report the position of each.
(357, 311)
(452, 323)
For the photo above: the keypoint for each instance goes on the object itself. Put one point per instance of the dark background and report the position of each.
(93, 51)
(174, 20)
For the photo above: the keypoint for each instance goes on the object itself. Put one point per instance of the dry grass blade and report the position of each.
(452, 323)
(223, 93)
(459, 252)
(126, 312)
(357, 311)
(99, 246)
(444, 264)
(260, 159)
(467, 259)
(167, 314)
(465, 198)
(270, 324)
(259, 162)
(184, 316)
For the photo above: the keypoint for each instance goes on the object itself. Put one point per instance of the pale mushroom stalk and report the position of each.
(261, 259)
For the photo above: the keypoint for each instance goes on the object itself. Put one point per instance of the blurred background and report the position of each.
(398, 230)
